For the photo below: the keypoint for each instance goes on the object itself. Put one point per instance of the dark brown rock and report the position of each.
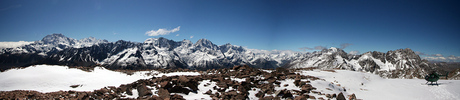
(165, 84)
(260, 94)
(143, 90)
(209, 92)
(163, 93)
(183, 79)
(179, 89)
(268, 98)
(300, 98)
(352, 97)
(287, 94)
(341, 96)
(177, 97)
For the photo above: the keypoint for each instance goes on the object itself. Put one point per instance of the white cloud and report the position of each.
(356, 52)
(438, 55)
(177, 34)
(162, 31)
(191, 36)
(451, 58)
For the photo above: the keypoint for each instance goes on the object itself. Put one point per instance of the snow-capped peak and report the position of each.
(204, 42)
(333, 49)
(57, 39)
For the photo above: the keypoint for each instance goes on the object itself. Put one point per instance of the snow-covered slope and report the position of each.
(240, 81)
(50, 78)
(368, 86)
(401, 63)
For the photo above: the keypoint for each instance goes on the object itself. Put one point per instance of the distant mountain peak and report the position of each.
(203, 41)
(56, 38)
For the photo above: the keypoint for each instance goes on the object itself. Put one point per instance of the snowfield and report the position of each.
(368, 86)
(50, 78)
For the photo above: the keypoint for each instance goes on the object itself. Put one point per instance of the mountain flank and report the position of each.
(154, 53)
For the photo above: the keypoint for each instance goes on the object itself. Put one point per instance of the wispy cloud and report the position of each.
(432, 55)
(177, 34)
(162, 31)
(191, 36)
(450, 58)
(355, 52)
(438, 57)
(11, 7)
(314, 48)
(345, 45)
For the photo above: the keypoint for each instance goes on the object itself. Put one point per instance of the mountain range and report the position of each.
(153, 53)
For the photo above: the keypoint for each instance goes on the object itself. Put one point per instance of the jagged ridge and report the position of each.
(164, 53)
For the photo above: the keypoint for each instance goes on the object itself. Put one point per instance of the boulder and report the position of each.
(179, 89)
(177, 97)
(340, 96)
(163, 93)
(165, 84)
(352, 97)
(287, 94)
(143, 90)
(183, 79)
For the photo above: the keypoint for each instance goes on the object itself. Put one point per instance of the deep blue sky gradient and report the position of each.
(427, 26)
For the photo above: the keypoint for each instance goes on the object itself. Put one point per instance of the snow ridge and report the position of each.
(165, 53)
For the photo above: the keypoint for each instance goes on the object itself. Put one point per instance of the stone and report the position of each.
(177, 97)
(163, 93)
(143, 90)
(352, 97)
(179, 89)
(183, 79)
(287, 94)
(300, 98)
(268, 98)
(341, 96)
(260, 94)
(328, 96)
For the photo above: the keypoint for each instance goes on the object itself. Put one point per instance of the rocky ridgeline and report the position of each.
(165, 88)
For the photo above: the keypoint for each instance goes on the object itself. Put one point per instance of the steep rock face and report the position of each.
(325, 59)
(36, 52)
(51, 44)
(401, 63)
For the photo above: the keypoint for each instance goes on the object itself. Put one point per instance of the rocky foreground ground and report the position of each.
(166, 88)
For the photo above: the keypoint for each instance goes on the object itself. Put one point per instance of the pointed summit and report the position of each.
(204, 42)
(56, 39)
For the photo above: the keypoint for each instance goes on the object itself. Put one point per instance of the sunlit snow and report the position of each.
(49, 78)
(368, 86)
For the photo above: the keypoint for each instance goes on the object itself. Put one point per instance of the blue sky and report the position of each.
(432, 28)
